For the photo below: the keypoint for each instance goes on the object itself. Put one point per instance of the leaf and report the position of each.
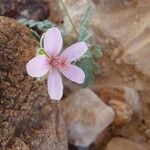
(40, 25)
(97, 52)
(90, 68)
(83, 34)
(94, 53)
(41, 51)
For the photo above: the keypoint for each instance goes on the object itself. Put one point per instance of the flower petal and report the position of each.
(74, 73)
(38, 66)
(74, 51)
(55, 87)
(53, 41)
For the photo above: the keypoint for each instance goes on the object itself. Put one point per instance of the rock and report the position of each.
(132, 131)
(124, 100)
(55, 14)
(124, 144)
(30, 9)
(19, 145)
(86, 117)
(26, 111)
(127, 22)
(125, 61)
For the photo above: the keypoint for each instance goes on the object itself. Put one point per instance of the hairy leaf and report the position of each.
(90, 67)
(87, 61)
(97, 52)
(88, 64)
(84, 34)
(40, 25)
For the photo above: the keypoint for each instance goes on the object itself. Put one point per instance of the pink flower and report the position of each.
(54, 63)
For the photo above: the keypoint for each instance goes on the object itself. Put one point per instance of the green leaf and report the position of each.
(94, 53)
(90, 68)
(40, 25)
(83, 34)
(88, 64)
(97, 52)
(41, 51)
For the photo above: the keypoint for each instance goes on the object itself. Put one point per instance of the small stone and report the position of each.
(86, 117)
(124, 100)
(123, 111)
(124, 144)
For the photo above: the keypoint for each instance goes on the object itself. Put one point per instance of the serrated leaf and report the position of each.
(83, 34)
(88, 54)
(40, 25)
(97, 52)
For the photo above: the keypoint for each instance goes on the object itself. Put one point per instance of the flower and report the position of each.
(55, 63)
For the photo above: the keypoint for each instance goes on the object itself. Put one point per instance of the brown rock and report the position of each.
(18, 145)
(30, 9)
(128, 22)
(124, 100)
(26, 111)
(86, 117)
(124, 144)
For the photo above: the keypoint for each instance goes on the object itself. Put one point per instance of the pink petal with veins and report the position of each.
(74, 74)
(55, 87)
(53, 41)
(38, 66)
(74, 51)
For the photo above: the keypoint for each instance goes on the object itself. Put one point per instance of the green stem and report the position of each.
(41, 41)
(66, 11)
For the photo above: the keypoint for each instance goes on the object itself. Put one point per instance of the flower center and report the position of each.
(55, 62)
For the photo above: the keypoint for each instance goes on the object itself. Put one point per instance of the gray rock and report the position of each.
(86, 117)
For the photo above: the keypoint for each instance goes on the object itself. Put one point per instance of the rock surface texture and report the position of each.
(124, 100)
(28, 119)
(30, 9)
(128, 22)
(86, 117)
(125, 144)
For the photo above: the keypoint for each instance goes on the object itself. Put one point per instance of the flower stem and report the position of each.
(66, 11)
(41, 41)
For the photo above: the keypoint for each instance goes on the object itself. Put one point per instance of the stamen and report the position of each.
(54, 62)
